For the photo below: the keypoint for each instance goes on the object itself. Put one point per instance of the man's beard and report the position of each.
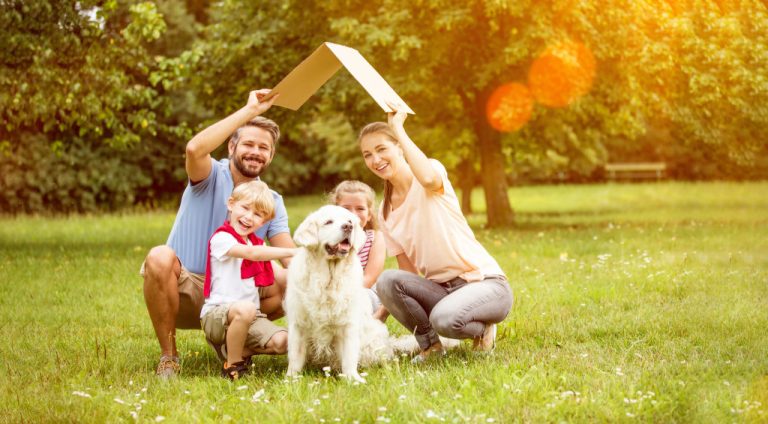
(245, 171)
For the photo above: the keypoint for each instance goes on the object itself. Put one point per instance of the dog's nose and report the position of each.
(347, 227)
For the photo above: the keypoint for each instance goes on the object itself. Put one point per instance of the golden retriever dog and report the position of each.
(330, 321)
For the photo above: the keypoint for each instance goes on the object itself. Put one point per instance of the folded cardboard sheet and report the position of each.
(305, 79)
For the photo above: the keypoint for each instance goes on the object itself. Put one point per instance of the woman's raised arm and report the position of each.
(427, 176)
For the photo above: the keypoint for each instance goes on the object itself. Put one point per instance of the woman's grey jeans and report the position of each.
(455, 309)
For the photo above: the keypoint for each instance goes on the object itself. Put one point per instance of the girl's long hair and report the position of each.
(381, 128)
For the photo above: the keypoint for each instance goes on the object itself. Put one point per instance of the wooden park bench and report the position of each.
(636, 170)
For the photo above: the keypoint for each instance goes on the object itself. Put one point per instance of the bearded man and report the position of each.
(174, 273)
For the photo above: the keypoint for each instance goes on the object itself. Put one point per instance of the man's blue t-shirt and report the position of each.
(203, 209)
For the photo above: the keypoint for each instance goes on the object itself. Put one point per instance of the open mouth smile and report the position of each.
(253, 161)
(382, 167)
(244, 225)
(342, 248)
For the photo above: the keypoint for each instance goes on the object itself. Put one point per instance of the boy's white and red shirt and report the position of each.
(226, 273)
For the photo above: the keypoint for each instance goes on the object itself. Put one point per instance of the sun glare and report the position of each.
(509, 107)
(561, 74)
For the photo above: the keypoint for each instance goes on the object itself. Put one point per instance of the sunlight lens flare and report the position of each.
(561, 74)
(509, 107)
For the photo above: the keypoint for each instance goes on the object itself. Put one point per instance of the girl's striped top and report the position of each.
(366, 249)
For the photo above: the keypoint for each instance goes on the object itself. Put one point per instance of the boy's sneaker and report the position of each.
(487, 342)
(168, 367)
(234, 371)
(221, 352)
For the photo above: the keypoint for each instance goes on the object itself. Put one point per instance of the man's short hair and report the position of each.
(265, 124)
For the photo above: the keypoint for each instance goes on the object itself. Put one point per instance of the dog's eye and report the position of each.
(328, 222)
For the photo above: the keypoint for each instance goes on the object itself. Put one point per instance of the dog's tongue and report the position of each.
(343, 247)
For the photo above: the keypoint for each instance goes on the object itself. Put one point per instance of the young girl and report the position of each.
(358, 198)
(447, 284)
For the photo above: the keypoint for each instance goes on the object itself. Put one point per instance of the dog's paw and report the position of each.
(354, 377)
(293, 373)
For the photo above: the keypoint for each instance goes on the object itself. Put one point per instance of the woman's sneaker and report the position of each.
(234, 371)
(436, 350)
(487, 342)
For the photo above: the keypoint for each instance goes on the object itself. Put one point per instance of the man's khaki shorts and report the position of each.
(191, 298)
(215, 324)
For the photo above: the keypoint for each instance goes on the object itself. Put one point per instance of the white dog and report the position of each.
(329, 316)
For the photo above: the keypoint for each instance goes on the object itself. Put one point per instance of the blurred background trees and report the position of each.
(98, 98)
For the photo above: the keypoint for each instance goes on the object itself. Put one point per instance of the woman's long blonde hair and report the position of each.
(352, 187)
(384, 129)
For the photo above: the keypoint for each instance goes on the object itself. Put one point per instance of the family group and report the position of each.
(215, 271)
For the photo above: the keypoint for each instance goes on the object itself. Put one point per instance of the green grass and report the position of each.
(644, 302)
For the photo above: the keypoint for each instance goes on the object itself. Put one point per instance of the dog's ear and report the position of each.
(357, 239)
(307, 233)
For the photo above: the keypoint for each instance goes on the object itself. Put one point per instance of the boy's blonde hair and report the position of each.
(258, 196)
(352, 187)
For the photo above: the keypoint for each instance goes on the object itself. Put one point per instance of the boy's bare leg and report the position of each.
(272, 301)
(161, 294)
(240, 317)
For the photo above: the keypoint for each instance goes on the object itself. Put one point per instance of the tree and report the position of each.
(449, 59)
(139, 77)
(75, 76)
(694, 68)
(703, 71)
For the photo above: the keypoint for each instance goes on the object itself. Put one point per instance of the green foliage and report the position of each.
(181, 28)
(71, 74)
(698, 79)
(443, 58)
(37, 177)
(75, 76)
(682, 82)
(697, 72)
(145, 23)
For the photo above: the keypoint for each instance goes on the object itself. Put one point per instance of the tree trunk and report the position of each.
(466, 183)
(492, 173)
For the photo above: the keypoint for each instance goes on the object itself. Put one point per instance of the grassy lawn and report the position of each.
(644, 302)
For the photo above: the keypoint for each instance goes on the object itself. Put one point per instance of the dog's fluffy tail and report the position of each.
(409, 345)
(375, 346)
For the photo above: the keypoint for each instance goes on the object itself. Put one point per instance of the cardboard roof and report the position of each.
(305, 79)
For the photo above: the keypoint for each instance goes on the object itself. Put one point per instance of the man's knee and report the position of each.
(160, 263)
(281, 279)
(271, 294)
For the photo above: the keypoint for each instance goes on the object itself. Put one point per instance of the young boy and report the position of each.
(238, 264)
